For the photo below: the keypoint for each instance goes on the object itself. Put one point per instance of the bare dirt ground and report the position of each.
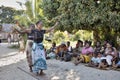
(13, 66)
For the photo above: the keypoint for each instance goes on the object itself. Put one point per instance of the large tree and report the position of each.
(100, 16)
(50, 12)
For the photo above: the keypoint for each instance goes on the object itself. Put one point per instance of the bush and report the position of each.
(82, 35)
(60, 36)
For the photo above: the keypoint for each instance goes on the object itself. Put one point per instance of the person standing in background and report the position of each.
(0, 38)
(9, 39)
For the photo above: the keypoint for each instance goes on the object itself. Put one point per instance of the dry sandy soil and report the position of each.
(13, 66)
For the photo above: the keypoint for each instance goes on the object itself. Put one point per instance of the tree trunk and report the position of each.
(110, 35)
(96, 35)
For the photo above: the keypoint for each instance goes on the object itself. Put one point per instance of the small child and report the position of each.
(95, 60)
(52, 50)
(103, 64)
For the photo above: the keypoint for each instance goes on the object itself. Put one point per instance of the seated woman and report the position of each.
(62, 51)
(110, 53)
(68, 52)
(52, 54)
(78, 48)
(86, 54)
(97, 47)
(69, 47)
(57, 51)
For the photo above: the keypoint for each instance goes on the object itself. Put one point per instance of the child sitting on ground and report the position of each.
(52, 53)
(95, 60)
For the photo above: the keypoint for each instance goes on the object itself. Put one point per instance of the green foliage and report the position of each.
(82, 35)
(101, 16)
(7, 14)
(28, 5)
(83, 14)
(32, 14)
(50, 12)
(50, 6)
(59, 37)
(77, 36)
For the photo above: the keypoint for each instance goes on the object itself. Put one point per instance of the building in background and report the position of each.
(8, 29)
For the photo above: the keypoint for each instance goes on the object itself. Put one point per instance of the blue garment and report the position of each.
(96, 60)
(118, 63)
(38, 57)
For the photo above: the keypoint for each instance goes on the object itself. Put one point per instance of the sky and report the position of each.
(12, 3)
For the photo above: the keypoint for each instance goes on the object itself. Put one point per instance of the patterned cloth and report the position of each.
(38, 57)
(85, 58)
(118, 63)
(29, 51)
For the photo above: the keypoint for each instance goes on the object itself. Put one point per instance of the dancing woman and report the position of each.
(38, 53)
(29, 43)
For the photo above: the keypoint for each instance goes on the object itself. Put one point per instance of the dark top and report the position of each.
(38, 35)
(30, 36)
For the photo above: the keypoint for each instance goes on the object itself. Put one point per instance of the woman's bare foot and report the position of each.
(41, 73)
(30, 67)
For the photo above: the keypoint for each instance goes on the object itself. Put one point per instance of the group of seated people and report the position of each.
(101, 55)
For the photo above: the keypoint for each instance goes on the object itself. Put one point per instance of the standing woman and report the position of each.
(38, 53)
(30, 37)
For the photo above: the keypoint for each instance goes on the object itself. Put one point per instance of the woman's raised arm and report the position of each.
(52, 28)
(23, 31)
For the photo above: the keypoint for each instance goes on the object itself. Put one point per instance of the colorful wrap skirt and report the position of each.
(38, 57)
(29, 51)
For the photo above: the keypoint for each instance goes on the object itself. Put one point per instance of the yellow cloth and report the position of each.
(85, 58)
